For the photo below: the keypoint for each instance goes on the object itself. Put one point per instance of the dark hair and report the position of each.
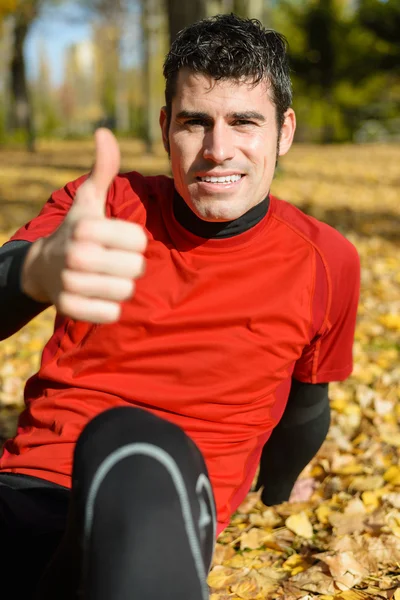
(229, 47)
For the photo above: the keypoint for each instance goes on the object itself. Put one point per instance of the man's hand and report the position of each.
(90, 263)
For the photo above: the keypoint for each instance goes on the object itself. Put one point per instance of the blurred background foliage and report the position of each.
(344, 54)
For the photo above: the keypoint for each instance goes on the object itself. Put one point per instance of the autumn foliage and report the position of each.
(339, 537)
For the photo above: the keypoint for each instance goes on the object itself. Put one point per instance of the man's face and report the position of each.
(225, 130)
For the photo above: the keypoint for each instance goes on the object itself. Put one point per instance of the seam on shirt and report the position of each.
(326, 324)
(127, 203)
(315, 363)
(313, 289)
(244, 474)
(327, 373)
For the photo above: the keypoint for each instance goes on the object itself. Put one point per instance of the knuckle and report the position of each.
(67, 280)
(111, 315)
(140, 265)
(72, 256)
(130, 290)
(124, 291)
(140, 237)
(143, 266)
(80, 229)
(63, 303)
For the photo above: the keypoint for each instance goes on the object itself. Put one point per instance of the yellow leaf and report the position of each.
(364, 483)
(371, 499)
(222, 553)
(392, 475)
(393, 521)
(390, 321)
(323, 511)
(254, 538)
(352, 469)
(339, 404)
(247, 589)
(350, 595)
(392, 438)
(300, 525)
(221, 577)
(293, 561)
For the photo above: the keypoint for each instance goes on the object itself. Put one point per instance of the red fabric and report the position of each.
(209, 342)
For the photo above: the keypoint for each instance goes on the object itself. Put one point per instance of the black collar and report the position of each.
(206, 229)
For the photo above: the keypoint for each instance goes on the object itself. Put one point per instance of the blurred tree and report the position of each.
(341, 70)
(318, 64)
(110, 15)
(181, 14)
(21, 117)
(383, 18)
(6, 9)
(23, 13)
(249, 9)
(154, 48)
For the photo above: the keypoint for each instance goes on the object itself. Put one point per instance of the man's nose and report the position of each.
(218, 144)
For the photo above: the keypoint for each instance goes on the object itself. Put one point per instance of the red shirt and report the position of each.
(210, 340)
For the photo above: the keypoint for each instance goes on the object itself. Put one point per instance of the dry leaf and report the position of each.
(221, 577)
(300, 525)
(254, 538)
(346, 570)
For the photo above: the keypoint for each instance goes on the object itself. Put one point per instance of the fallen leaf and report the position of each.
(300, 525)
(345, 569)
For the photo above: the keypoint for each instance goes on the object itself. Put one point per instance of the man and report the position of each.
(195, 316)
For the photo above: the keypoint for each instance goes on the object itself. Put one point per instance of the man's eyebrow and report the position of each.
(248, 115)
(191, 114)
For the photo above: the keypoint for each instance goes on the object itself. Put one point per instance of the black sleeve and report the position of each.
(306, 401)
(294, 441)
(16, 308)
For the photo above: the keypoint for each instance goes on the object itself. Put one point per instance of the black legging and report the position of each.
(141, 520)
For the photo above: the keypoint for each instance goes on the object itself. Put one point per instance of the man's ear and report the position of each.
(287, 132)
(164, 127)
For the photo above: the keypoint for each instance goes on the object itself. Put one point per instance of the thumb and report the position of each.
(91, 196)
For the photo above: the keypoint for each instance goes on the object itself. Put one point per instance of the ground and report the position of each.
(340, 538)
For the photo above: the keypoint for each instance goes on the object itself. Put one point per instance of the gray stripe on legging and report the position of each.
(169, 463)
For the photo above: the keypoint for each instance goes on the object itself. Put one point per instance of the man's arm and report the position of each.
(87, 265)
(295, 440)
(16, 308)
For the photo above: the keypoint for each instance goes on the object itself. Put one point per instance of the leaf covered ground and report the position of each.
(339, 537)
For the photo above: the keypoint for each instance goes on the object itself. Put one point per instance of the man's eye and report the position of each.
(243, 122)
(195, 122)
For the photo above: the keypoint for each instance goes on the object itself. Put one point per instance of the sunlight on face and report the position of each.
(223, 141)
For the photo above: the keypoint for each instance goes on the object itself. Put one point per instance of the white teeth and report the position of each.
(227, 179)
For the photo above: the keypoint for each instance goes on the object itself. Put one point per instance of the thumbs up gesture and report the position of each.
(89, 265)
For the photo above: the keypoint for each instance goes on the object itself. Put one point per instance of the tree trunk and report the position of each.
(181, 14)
(153, 46)
(21, 108)
(249, 9)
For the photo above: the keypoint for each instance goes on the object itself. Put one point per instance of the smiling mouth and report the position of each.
(224, 180)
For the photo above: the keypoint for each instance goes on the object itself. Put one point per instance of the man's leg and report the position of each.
(32, 522)
(294, 442)
(142, 520)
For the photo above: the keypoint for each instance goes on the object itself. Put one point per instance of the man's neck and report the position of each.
(215, 230)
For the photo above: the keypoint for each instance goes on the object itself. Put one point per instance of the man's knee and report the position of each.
(124, 431)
